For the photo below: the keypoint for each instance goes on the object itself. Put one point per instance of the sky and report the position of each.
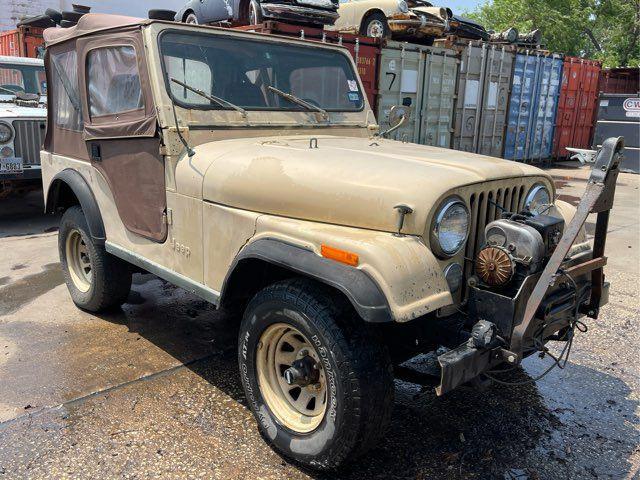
(458, 6)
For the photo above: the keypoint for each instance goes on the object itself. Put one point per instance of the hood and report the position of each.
(345, 180)
(436, 12)
(8, 109)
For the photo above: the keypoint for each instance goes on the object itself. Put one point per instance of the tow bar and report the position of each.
(472, 358)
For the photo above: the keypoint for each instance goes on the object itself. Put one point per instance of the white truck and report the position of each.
(23, 116)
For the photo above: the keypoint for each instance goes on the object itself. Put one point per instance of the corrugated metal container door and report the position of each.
(533, 106)
(493, 117)
(438, 97)
(483, 91)
(469, 101)
(22, 42)
(546, 107)
(422, 78)
(520, 119)
(576, 105)
(620, 80)
(401, 78)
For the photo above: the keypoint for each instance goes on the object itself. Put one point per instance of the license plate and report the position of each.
(10, 165)
(317, 3)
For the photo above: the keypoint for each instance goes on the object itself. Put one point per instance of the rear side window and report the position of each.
(113, 81)
(65, 99)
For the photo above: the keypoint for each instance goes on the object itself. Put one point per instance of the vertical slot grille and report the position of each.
(28, 140)
(485, 207)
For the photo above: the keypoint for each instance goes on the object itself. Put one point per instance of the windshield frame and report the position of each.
(279, 41)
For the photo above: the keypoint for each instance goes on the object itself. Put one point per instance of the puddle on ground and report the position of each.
(4, 280)
(17, 294)
(18, 266)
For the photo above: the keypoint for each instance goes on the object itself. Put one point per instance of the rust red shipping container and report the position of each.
(577, 105)
(24, 41)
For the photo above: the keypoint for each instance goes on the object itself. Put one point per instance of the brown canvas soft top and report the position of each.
(91, 22)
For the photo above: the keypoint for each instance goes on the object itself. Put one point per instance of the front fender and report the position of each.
(400, 267)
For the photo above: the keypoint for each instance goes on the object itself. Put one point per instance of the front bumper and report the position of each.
(28, 173)
(546, 303)
(414, 25)
(299, 13)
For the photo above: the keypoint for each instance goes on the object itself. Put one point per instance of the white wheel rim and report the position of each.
(192, 19)
(78, 261)
(299, 408)
(375, 29)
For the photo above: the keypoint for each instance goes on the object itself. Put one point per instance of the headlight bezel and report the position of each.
(403, 6)
(535, 189)
(436, 223)
(448, 271)
(11, 132)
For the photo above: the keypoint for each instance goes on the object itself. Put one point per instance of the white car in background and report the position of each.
(392, 18)
(23, 117)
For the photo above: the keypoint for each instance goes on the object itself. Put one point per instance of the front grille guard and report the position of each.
(466, 362)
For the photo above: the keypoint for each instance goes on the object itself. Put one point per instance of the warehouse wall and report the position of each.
(12, 11)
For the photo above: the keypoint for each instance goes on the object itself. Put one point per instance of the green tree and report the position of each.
(608, 30)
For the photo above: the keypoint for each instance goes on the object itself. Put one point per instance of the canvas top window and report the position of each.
(241, 71)
(113, 81)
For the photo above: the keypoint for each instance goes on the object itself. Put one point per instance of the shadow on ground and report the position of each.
(503, 432)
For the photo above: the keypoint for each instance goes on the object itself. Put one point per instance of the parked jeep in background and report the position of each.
(252, 12)
(23, 113)
(271, 192)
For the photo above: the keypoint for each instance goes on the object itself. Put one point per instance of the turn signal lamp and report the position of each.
(338, 255)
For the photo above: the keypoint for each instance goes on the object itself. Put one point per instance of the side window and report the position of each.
(64, 76)
(192, 72)
(113, 81)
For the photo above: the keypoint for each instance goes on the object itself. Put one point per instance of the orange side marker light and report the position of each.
(338, 255)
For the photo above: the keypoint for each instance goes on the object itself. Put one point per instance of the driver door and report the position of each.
(120, 130)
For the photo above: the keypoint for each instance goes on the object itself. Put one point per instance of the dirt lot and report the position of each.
(151, 390)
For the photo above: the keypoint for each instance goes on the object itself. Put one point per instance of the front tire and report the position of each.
(339, 403)
(376, 26)
(191, 18)
(96, 280)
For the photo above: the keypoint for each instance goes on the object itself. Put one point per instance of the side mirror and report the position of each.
(399, 114)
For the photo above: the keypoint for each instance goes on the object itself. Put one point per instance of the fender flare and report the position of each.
(361, 290)
(83, 193)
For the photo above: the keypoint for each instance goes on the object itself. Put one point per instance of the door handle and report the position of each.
(96, 155)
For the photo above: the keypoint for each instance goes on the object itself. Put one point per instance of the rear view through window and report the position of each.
(247, 73)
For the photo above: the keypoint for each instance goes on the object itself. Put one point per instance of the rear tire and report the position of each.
(353, 388)
(96, 280)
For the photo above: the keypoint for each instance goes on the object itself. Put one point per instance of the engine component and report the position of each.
(550, 228)
(495, 266)
(523, 242)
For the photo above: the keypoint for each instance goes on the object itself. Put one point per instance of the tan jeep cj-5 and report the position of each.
(249, 170)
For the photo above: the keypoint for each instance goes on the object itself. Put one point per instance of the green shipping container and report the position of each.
(423, 78)
(483, 94)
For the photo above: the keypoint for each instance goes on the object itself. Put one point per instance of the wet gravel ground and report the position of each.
(151, 391)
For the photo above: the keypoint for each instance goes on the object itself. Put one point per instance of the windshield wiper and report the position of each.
(298, 101)
(212, 98)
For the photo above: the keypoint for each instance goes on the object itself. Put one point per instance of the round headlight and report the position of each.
(453, 276)
(538, 199)
(450, 227)
(6, 133)
(403, 7)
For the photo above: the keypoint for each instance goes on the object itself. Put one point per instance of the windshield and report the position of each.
(241, 71)
(22, 78)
